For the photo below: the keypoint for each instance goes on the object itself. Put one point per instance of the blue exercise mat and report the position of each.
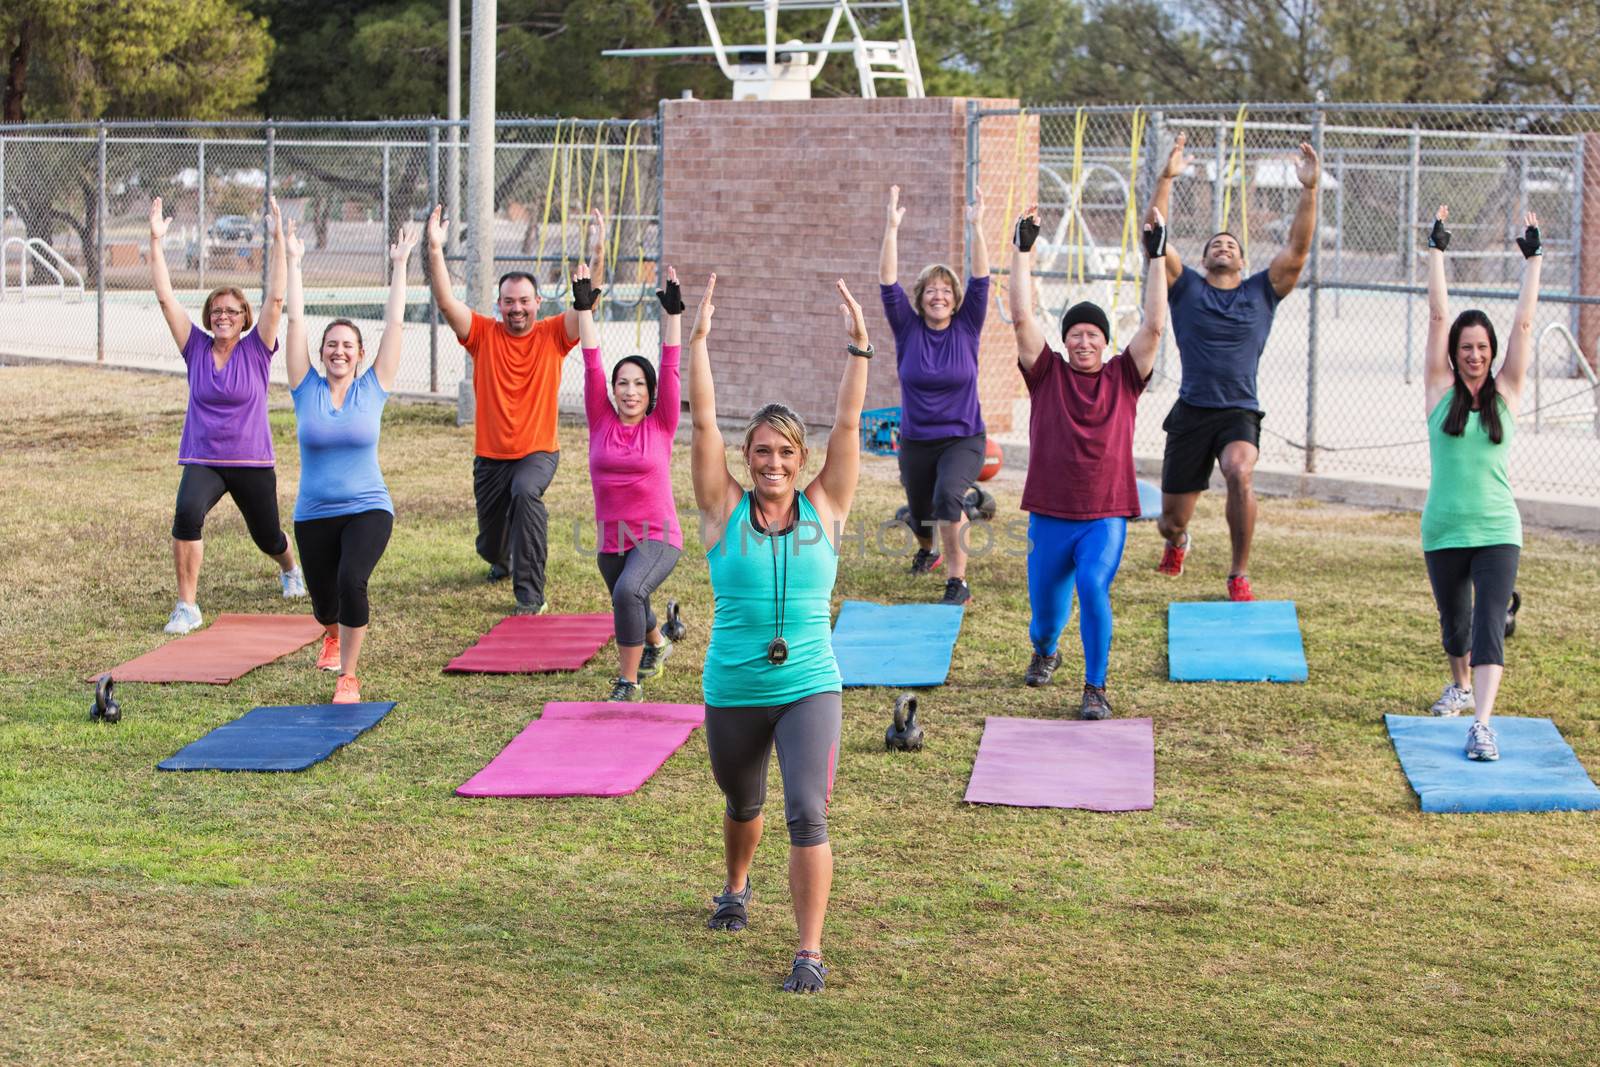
(895, 644)
(278, 739)
(1536, 771)
(1224, 641)
(1149, 501)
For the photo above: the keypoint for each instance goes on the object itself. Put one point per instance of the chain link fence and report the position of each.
(75, 201)
(1341, 378)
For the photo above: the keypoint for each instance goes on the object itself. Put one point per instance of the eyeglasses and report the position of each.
(231, 313)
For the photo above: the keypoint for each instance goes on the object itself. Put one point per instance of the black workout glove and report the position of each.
(584, 294)
(1155, 240)
(1529, 243)
(1027, 233)
(1439, 237)
(671, 298)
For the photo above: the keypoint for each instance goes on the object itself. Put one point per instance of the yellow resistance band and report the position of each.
(549, 190)
(1130, 216)
(1236, 168)
(1075, 248)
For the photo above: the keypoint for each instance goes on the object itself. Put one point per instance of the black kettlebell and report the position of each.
(105, 706)
(674, 628)
(979, 503)
(904, 734)
(1511, 612)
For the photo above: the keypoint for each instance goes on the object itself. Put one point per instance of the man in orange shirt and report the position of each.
(516, 374)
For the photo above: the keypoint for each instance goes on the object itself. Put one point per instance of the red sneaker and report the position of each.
(328, 660)
(1172, 556)
(1239, 588)
(347, 690)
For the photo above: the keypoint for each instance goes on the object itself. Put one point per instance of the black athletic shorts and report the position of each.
(937, 474)
(1195, 440)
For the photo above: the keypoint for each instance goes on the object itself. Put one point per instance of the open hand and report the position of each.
(597, 223)
(1027, 229)
(438, 227)
(1177, 160)
(1155, 235)
(584, 294)
(1307, 167)
(293, 246)
(672, 296)
(896, 212)
(158, 222)
(1439, 237)
(854, 321)
(1529, 241)
(975, 206)
(275, 215)
(702, 318)
(400, 251)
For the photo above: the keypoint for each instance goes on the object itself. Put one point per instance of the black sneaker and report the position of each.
(925, 561)
(956, 591)
(1040, 668)
(625, 692)
(1095, 705)
(498, 573)
(654, 656)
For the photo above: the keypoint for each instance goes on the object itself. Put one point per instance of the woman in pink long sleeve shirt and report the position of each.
(630, 458)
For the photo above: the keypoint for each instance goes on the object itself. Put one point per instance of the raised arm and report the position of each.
(596, 275)
(387, 363)
(980, 247)
(178, 323)
(1161, 203)
(1437, 378)
(1519, 350)
(1030, 339)
(596, 401)
(457, 314)
(716, 491)
(889, 254)
(1146, 342)
(836, 482)
(277, 280)
(669, 390)
(1284, 271)
(296, 353)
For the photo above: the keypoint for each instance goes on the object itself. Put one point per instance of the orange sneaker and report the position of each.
(1239, 588)
(1172, 556)
(328, 660)
(347, 691)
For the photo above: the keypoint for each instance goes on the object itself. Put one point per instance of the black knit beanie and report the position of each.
(1086, 312)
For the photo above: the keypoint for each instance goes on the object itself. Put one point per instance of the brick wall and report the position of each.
(781, 198)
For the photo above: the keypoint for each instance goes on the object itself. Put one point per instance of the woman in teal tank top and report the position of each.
(1471, 530)
(770, 676)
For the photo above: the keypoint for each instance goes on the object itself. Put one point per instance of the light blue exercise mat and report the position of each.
(1149, 500)
(1224, 641)
(1536, 771)
(278, 739)
(905, 645)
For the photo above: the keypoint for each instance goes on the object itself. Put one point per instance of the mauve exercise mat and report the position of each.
(1537, 769)
(904, 645)
(231, 647)
(529, 644)
(278, 739)
(1224, 641)
(582, 749)
(1065, 763)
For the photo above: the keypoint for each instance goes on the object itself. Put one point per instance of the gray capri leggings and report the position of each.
(807, 734)
(632, 576)
(1472, 587)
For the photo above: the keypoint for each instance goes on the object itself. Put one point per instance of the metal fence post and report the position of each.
(383, 242)
(202, 238)
(270, 151)
(971, 185)
(1574, 280)
(100, 249)
(1338, 236)
(1219, 182)
(433, 305)
(1408, 246)
(1314, 285)
(661, 191)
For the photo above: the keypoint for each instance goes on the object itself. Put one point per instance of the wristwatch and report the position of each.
(864, 353)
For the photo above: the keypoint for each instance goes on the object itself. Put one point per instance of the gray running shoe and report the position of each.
(184, 617)
(1453, 701)
(293, 583)
(1040, 668)
(1094, 705)
(625, 692)
(654, 656)
(1482, 743)
(524, 608)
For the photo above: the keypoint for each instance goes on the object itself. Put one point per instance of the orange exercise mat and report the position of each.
(231, 647)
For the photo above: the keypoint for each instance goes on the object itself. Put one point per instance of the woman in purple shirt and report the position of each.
(226, 445)
(942, 439)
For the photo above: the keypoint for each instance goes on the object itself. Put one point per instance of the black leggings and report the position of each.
(740, 741)
(1472, 587)
(936, 475)
(632, 576)
(338, 556)
(254, 490)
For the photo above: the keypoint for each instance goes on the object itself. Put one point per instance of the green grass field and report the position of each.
(1284, 902)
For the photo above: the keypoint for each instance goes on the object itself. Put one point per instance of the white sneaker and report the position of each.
(184, 617)
(293, 582)
(1453, 701)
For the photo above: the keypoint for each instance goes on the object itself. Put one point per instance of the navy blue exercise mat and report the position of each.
(1229, 641)
(1537, 769)
(288, 738)
(905, 645)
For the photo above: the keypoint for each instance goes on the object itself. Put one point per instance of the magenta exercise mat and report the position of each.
(529, 644)
(587, 749)
(1055, 763)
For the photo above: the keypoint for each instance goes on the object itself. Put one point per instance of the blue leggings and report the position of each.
(1064, 552)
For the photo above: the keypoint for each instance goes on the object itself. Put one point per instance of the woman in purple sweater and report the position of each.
(630, 467)
(226, 445)
(942, 437)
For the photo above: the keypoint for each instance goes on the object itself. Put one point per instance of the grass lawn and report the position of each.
(1284, 902)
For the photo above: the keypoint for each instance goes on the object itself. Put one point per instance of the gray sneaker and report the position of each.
(184, 617)
(654, 656)
(1094, 705)
(1481, 742)
(293, 582)
(1040, 668)
(524, 608)
(1453, 701)
(625, 692)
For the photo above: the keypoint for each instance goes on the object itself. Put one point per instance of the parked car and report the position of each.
(232, 228)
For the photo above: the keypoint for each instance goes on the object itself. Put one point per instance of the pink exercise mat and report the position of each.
(529, 644)
(1059, 763)
(587, 749)
(231, 647)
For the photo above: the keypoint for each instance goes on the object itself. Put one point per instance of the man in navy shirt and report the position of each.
(1221, 319)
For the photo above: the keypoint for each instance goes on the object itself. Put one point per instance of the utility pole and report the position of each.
(480, 183)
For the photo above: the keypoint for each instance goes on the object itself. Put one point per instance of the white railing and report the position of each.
(45, 256)
(1582, 363)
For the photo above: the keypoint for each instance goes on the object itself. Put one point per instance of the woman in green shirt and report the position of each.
(1471, 530)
